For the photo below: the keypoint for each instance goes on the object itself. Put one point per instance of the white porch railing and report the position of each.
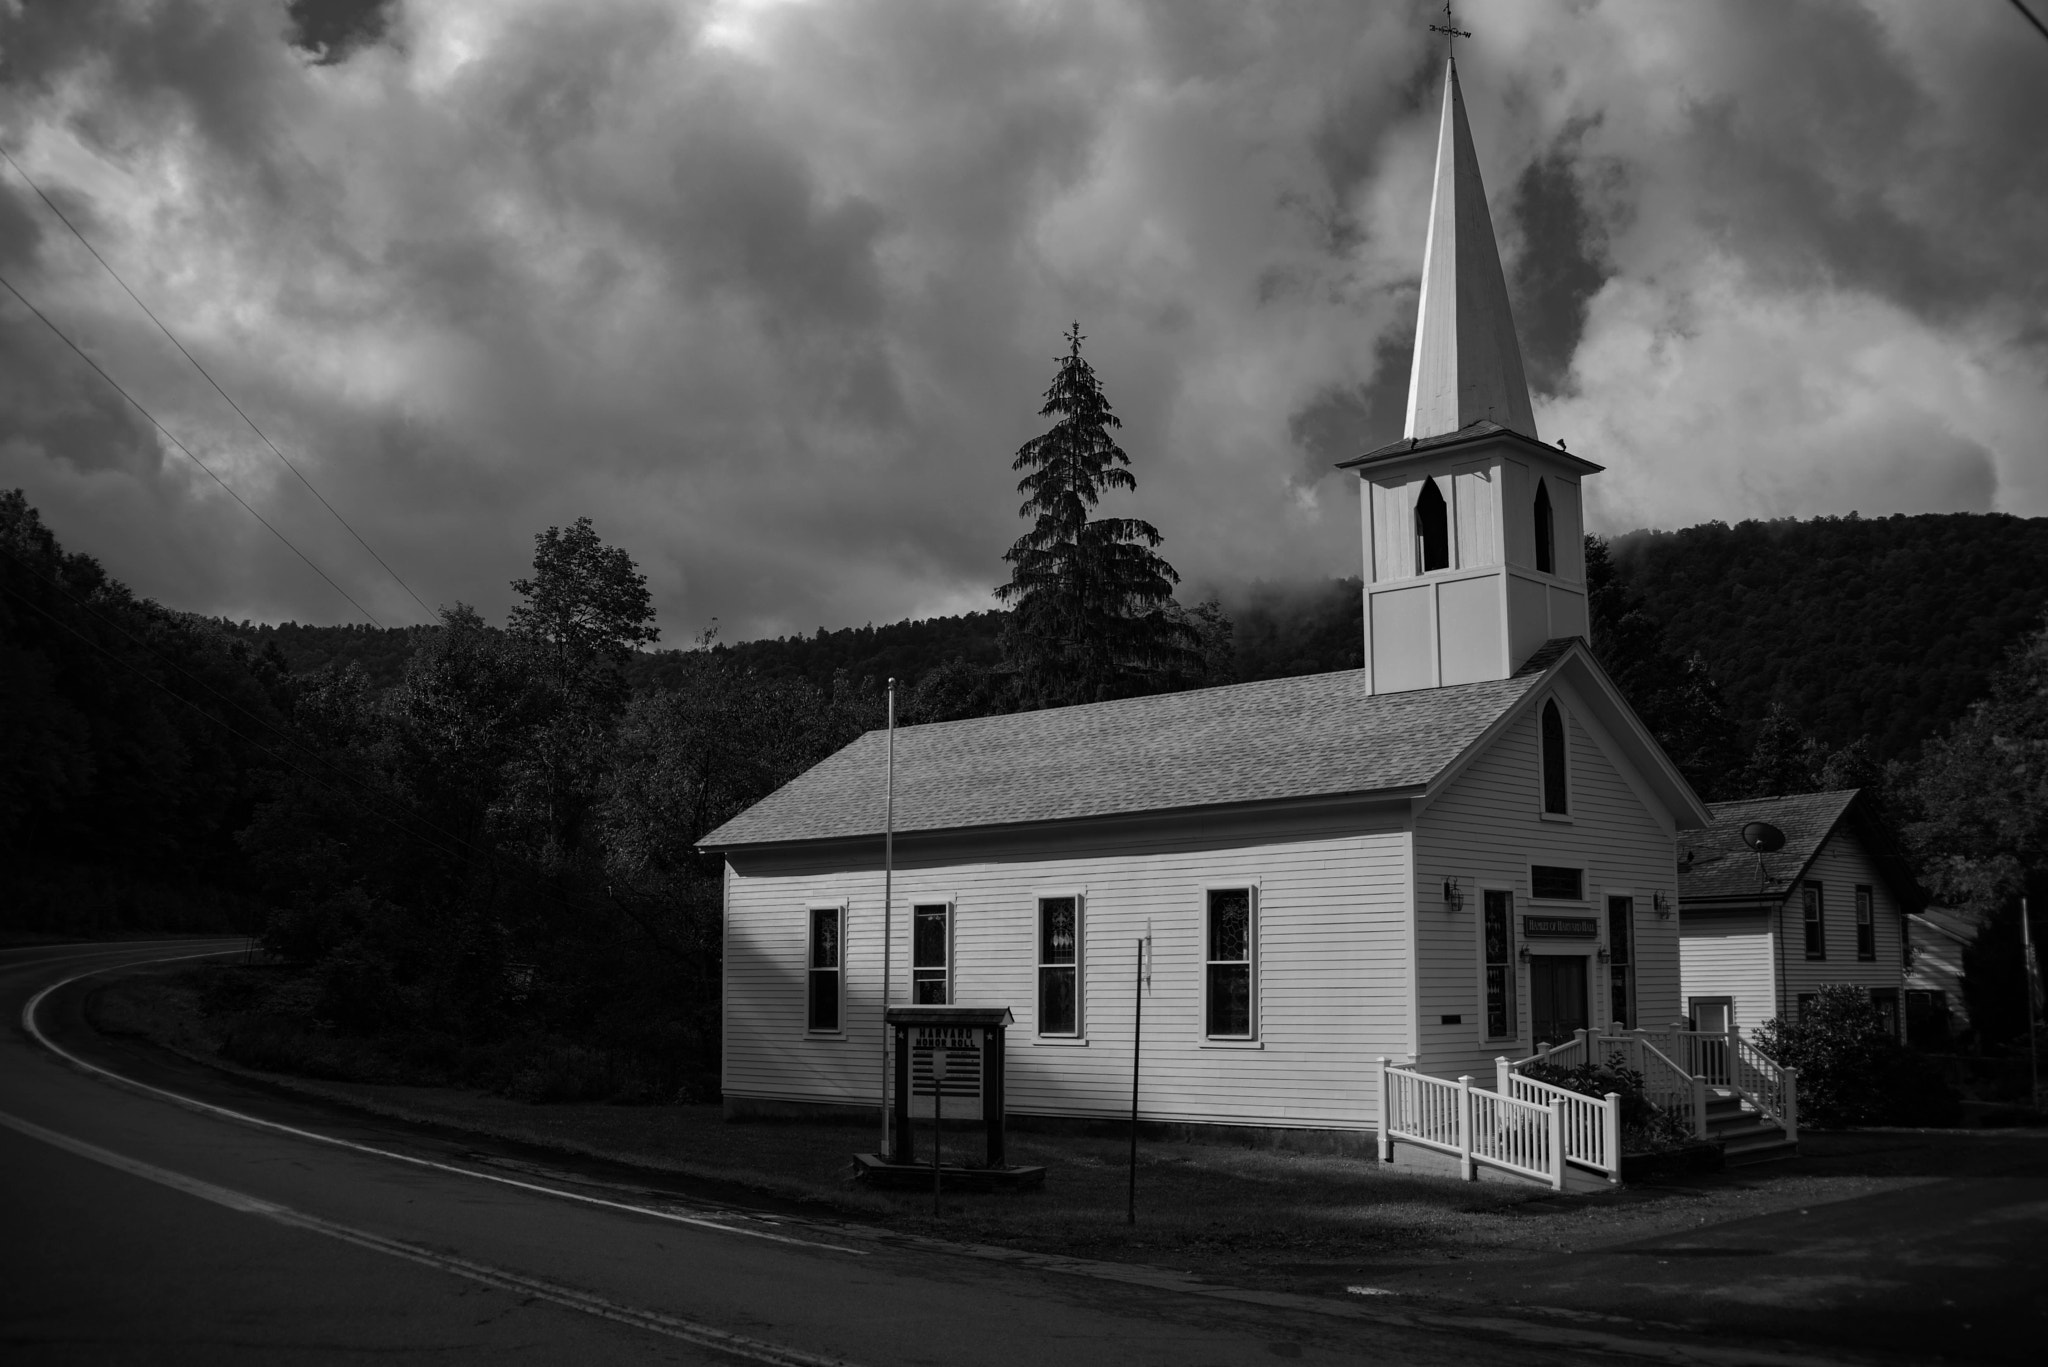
(1475, 1125)
(1591, 1126)
(1679, 1064)
(1725, 1059)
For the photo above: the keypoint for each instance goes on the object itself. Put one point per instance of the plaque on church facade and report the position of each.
(1561, 927)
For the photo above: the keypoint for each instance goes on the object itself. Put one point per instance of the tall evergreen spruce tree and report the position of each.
(1093, 612)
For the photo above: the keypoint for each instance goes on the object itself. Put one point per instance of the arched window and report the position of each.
(1432, 530)
(1546, 531)
(1555, 791)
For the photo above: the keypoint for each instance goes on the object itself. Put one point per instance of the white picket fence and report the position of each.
(1517, 1134)
(1591, 1126)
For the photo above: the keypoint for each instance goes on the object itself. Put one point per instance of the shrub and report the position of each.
(1852, 1069)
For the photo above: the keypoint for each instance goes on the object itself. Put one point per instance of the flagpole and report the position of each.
(888, 901)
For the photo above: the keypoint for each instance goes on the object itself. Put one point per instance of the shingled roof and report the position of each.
(1317, 735)
(1714, 864)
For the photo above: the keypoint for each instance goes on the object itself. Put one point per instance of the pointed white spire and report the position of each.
(1468, 365)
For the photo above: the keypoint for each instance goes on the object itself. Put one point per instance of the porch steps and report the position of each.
(1745, 1135)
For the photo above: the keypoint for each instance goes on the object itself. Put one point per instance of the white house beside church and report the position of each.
(1760, 935)
(1460, 850)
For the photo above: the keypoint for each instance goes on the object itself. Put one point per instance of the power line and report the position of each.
(2039, 27)
(188, 454)
(61, 218)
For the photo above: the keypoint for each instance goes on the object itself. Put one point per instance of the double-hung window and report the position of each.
(931, 946)
(1814, 907)
(1230, 982)
(1499, 935)
(1059, 965)
(823, 961)
(1866, 922)
(1621, 967)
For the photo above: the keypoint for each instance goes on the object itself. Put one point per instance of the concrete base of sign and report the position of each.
(875, 1171)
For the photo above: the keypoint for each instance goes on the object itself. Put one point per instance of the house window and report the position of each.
(824, 969)
(1816, 928)
(1432, 529)
(1059, 965)
(930, 954)
(1546, 531)
(1499, 932)
(1621, 968)
(1552, 883)
(1806, 1001)
(1886, 1000)
(1866, 922)
(1556, 787)
(1229, 983)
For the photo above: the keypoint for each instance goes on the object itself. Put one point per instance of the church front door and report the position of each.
(1557, 996)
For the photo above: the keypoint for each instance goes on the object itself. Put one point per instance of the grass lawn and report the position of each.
(1252, 1216)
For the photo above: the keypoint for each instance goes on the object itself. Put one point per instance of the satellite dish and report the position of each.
(1763, 837)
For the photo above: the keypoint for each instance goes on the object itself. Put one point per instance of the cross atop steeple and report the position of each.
(1452, 33)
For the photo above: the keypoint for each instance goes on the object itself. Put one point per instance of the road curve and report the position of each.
(146, 1224)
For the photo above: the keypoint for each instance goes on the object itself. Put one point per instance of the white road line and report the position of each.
(671, 1326)
(35, 1030)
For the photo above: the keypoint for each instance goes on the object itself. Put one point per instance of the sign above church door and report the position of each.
(1561, 927)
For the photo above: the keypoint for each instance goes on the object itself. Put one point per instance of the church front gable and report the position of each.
(1544, 892)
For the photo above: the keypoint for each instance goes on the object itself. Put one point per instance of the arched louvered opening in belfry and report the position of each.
(1432, 530)
(1546, 531)
(1556, 791)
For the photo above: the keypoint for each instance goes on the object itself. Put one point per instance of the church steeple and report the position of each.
(1468, 364)
(1473, 549)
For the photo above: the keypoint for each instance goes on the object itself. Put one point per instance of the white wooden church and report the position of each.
(1461, 849)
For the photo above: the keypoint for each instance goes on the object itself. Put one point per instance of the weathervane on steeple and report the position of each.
(1450, 30)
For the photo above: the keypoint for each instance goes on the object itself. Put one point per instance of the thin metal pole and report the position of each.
(2033, 978)
(888, 902)
(1137, 1037)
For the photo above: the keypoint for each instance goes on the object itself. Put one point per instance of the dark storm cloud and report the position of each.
(1561, 267)
(771, 288)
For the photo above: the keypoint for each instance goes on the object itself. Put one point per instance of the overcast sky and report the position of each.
(771, 289)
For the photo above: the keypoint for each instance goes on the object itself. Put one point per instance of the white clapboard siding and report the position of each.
(1728, 954)
(1332, 972)
(1841, 864)
(1485, 830)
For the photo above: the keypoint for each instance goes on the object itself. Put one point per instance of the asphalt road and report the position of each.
(137, 1229)
(141, 1225)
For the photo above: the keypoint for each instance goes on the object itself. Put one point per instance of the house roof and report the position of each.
(1316, 735)
(1953, 924)
(1715, 865)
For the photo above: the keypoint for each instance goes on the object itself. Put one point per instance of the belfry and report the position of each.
(1472, 527)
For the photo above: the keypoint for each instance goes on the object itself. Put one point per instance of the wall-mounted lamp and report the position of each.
(1523, 955)
(1454, 896)
(1604, 956)
(1662, 904)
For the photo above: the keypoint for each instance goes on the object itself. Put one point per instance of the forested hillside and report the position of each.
(1886, 628)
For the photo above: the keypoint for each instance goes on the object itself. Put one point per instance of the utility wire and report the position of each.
(188, 454)
(61, 218)
(2039, 27)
